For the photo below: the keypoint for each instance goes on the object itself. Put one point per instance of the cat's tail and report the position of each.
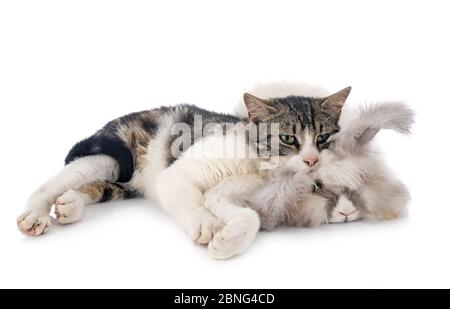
(371, 119)
(110, 145)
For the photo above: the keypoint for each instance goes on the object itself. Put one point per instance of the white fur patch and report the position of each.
(69, 207)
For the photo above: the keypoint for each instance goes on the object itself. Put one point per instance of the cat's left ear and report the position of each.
(335, 102)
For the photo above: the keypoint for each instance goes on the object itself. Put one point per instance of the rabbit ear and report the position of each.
(366, 136)
(395, 116)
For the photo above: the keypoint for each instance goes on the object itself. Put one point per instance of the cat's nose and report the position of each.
(311, 161)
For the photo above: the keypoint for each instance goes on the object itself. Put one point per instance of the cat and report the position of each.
(145, 155)
(351, 181)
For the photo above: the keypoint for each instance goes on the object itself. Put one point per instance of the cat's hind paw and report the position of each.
(34, 222)
(69, 207)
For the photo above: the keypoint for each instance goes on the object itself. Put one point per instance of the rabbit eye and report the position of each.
(322, 138)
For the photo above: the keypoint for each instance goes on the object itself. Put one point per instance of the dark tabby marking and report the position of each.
(100, 192)
(110, 145)
(126, 138)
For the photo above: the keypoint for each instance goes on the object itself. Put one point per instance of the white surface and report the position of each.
(66, 68)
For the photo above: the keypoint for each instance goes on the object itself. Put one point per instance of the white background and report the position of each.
(67, 67)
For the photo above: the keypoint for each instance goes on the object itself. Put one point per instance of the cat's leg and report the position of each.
(35, 219)
(182, 197)
(69, 207)
(241, 223)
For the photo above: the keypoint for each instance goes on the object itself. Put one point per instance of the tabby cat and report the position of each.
(176, 154)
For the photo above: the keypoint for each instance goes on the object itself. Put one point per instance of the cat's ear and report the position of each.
(335, 102)
(258, 109)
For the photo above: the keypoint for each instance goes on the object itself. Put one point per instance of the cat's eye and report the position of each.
(287, 139)
(322, 138)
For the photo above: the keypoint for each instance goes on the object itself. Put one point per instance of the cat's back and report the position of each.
(168, 123)
(161, 137)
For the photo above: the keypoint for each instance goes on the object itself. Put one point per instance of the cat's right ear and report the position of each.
(335, 102)
(258, 109)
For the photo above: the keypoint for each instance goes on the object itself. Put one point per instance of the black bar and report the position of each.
(214, 298)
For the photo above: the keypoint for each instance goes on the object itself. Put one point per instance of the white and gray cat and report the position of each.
(148, 154)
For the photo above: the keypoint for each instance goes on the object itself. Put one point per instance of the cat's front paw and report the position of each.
(203, 226)
(34, 222)
(235, 237)
(69, 207)
(303, 183)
